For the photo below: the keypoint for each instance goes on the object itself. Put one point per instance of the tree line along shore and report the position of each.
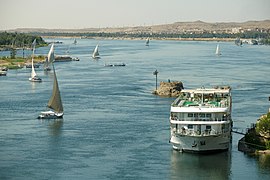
(263, 37)
(12, 41)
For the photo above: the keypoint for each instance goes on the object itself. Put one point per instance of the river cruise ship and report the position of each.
(200, 120)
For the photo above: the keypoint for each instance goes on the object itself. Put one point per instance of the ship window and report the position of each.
(202, 115)
(190, 126)
(208, 127)
(208, 115)
(190, 115)
(196, 115)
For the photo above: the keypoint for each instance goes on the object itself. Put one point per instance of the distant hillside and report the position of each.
(178, 27)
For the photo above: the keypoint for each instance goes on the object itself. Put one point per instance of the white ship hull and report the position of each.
(200, 120)
(50, 115)
(201, 144)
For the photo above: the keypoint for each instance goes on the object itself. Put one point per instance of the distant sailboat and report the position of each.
(55, 103)
(34, 77)
(95, 54)
(67, 51)
(147, 42)
(218, 51)
(75, 41)
(50, 59)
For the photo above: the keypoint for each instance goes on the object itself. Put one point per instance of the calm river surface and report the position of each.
(113, 127)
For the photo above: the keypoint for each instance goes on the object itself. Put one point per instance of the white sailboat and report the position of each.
(55, 103)
(50, 59)
(34, 77)
(95, 54)
(218, 53)
(147, 42)
(75, 41)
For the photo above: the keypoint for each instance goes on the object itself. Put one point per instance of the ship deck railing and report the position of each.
(191, 132)
(193, 103)
(200, 119)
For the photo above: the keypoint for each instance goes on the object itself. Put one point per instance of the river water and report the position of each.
(113, 127)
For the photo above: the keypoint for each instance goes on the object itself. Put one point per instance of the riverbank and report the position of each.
(19, 62)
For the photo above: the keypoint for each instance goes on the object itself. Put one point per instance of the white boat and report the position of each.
(200, 120)
(75, 41)
(218, 53)
(114, 64)
(50, 59)
(147, 42)
(95, 54)
(3, 71)
(34, 77)
(55, 103)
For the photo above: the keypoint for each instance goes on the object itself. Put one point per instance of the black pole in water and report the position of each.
(155, 73)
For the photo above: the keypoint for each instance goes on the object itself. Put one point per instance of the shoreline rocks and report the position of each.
(169, 89)
(245, 148)
(252, 148)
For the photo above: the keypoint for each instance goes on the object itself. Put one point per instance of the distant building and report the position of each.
(237, 30)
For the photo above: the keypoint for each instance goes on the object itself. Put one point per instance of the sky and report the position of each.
(75, 14)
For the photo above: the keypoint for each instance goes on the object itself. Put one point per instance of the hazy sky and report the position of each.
(118, 13)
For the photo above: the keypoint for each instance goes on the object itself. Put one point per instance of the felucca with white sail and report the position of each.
(95, 54)
(50, 59)
(34, 77)
(55, 103)
(218, 53)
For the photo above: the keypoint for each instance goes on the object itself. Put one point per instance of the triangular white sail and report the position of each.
(50, 58)
(218, 50)
(34, 46)
(34, 77)
(51, 54)
(33, 73)
(95, 53)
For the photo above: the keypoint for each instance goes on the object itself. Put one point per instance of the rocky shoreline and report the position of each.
(244, 147)
(252, 148)
(169, 89)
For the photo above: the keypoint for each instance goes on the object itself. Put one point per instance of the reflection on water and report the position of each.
(264, 161)
(33, 86)
(54, 126)
(196, 166)
(48, 73)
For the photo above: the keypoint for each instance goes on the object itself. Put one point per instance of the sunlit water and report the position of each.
(113, 127)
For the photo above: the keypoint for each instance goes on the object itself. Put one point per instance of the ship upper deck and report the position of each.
(219, 97)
